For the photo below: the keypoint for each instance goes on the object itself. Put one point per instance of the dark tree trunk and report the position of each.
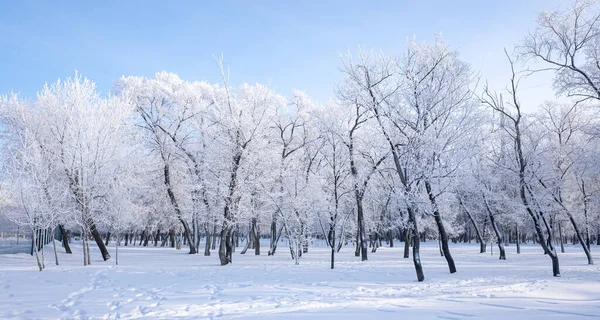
(496, 229)
(499, 237)
(274, 236)
(361, 226)
(416, 246)
(482, 244)
(407, 240)
(99, 242)
(173, 200)
(107, 238)
(441, 228)
(65, 239)
(156, 237)
(126, 238)
(226, 245)
(357, 244)
(561, 238)
(207, 246)
(248, 241)
(213, 245)
(172, 238)
(403, 175)
(256, 237)
(518, 241)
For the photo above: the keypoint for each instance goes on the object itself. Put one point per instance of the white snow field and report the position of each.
(163, 283)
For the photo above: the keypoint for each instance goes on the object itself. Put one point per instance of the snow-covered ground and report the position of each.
(163, 283)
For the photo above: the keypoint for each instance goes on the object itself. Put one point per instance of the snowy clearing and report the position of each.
(163, 283)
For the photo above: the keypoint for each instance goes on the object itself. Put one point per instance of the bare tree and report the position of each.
(511, 113)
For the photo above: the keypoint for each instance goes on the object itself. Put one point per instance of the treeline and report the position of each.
(410, 149)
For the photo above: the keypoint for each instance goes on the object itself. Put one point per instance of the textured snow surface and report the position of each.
(160, 283)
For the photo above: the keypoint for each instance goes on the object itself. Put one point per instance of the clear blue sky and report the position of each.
(287, 44)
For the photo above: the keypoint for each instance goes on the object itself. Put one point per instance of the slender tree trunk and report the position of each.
(274, 235)
(441, 228)
(416, 246)
(54, 246)
(117, 241)
(214, 237)
(518, 241)
(403, 175)
(249, 240)
(146, 236)
(98, 238)
(561, 238)
(499, 237)
(171, 238)
(89, 256)
(482, 244)
(207, 246)
(107, 238)
(407, 240)
(65, 239)
(173, 200)
(331, 242)
(42, 249)
(35, 249)
(256, 238)
(496, 229)
(586, 249)
(357, 249)
(83, 237)
(361, 224)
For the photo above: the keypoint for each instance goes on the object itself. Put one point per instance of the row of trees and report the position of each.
(411, 148)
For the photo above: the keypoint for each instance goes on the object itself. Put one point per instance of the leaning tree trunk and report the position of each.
(441, 228)
(402, 174)
(34, 248)
(249, 241)
(482, 244)
(65, 239)
(586, 249)
(496, 229)
(499, 237)
(98, 239)
(173, 200)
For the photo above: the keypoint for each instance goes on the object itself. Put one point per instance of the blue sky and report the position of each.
(287, 44)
